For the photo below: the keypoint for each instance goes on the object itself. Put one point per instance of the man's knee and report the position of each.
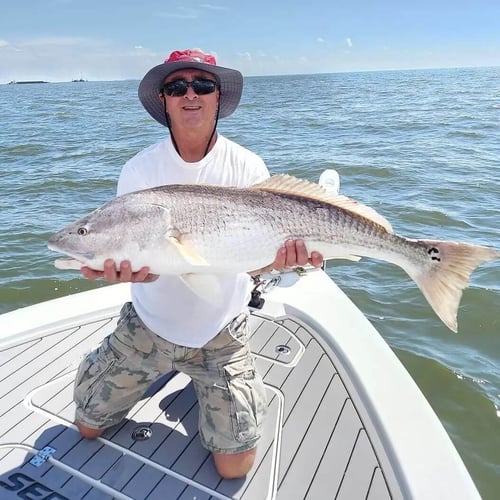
(88, 432)
(234, 465)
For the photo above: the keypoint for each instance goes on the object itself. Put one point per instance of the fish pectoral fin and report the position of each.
(187, 253)
(205, 286)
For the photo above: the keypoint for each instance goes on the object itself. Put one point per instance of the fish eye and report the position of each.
(82, 231)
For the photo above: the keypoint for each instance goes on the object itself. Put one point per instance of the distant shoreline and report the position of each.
(13, 82)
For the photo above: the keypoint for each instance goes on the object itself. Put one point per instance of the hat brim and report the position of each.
(230, 81)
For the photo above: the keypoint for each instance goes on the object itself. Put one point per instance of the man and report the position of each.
(166, 326)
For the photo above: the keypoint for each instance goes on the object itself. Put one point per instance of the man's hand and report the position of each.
(124, 275)
(293, 253)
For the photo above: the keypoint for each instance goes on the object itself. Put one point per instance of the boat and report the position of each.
(79, 80)
(345, 420)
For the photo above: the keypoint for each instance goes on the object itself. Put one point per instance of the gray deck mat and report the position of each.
(315, 445)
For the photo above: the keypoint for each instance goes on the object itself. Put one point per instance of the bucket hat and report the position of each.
(230, 82)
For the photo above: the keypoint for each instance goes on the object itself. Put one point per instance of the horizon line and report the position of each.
(431, 68)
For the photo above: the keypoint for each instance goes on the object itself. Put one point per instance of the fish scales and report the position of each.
(226, 224)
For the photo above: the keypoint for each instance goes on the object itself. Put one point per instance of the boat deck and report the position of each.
(316, 444)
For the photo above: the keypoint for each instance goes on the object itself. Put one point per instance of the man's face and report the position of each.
(192, 110)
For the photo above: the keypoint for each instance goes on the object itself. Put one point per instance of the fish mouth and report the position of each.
(68, 263)
(80, 256)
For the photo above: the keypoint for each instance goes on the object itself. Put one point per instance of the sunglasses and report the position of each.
(179, 88)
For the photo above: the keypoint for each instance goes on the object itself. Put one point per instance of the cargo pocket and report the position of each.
(248, 399)
(91, 374)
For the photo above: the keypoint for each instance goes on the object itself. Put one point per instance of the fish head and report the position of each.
(120, 230)
(81, 240)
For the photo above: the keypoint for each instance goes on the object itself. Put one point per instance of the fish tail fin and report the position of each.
(442, 281)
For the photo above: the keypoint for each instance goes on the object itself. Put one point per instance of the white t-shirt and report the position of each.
(167, 306)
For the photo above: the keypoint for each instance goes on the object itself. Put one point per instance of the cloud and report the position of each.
(246, 56)
(348, 42)
(182, 13)
(320, 39)
(3, 43)
(54, 42)
(212, 7)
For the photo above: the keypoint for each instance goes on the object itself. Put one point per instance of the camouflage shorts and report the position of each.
(231, 395)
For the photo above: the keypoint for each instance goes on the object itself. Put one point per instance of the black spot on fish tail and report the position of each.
(434, 254)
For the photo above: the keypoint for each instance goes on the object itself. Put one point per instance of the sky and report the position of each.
(60, 40)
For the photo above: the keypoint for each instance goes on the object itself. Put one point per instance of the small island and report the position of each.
(14, 82)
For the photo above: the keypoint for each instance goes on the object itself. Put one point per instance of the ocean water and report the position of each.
(421, 147)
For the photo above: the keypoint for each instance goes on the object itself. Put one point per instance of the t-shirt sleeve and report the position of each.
(257, 170)
(130, 180)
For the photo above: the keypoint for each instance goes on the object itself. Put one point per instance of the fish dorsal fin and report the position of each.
(288, 184)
